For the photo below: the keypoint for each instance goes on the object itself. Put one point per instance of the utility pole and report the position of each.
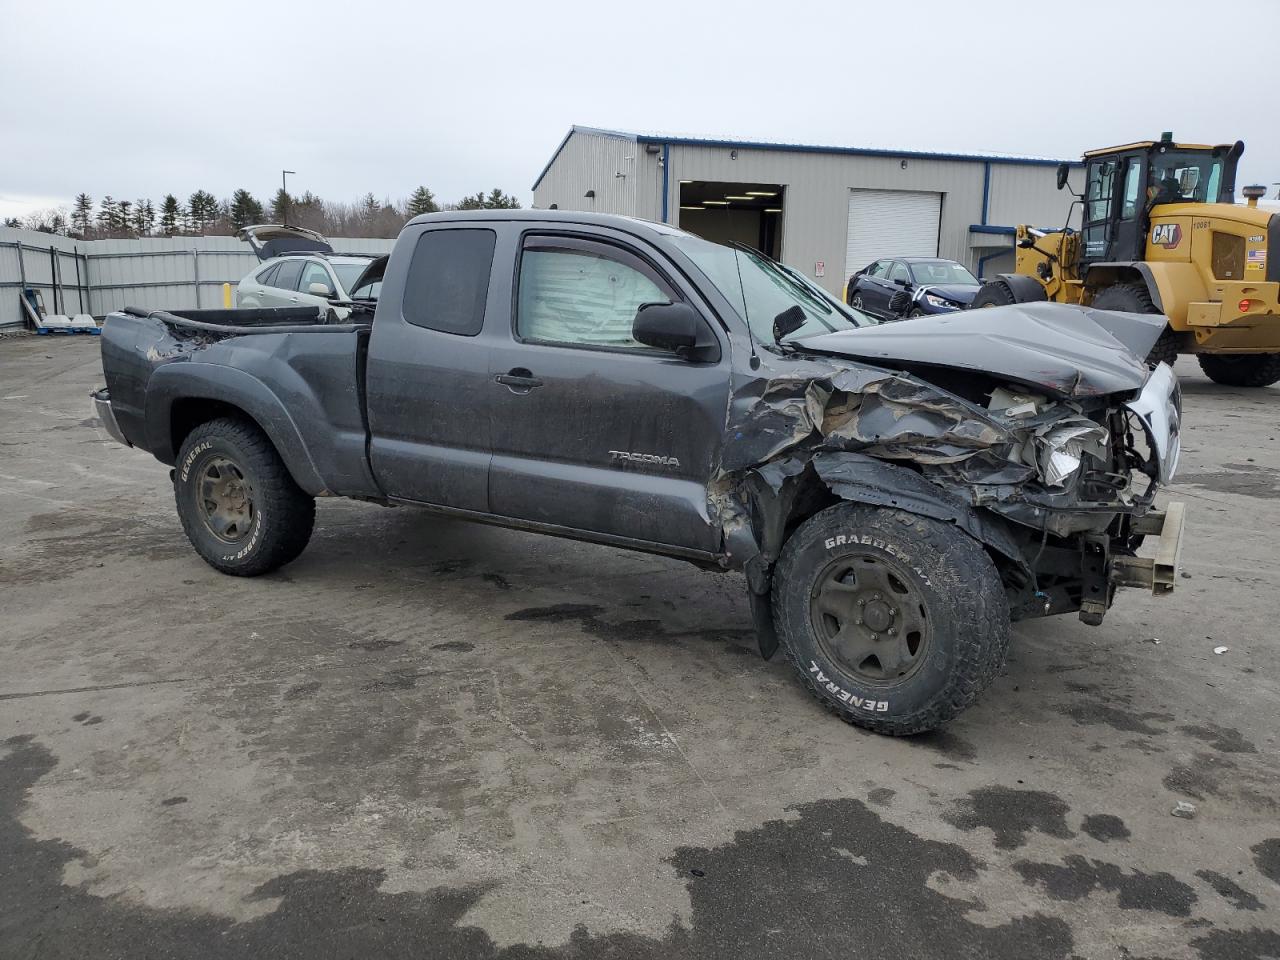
(284, 194)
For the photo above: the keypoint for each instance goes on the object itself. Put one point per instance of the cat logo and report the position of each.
(1167, 235)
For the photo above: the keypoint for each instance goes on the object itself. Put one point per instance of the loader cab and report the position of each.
(1123, 184)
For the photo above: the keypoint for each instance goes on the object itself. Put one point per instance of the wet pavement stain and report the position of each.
(1090, 712)
(881, 796)
(302, 690)
(946, 743)
(374, 645)
(588, 616)
(1200, 778)
(1077, 877)
(1243, 479)
(745, 898)
(1104, 827)
(1222, 739)
(1266, 856)
(1230, 891)
(454, 646)
(1011, 814)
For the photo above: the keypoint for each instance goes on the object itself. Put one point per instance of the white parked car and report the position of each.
(299, 269)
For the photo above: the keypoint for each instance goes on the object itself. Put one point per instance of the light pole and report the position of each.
(284, 194)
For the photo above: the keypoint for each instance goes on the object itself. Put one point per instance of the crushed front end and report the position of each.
(1057, 479)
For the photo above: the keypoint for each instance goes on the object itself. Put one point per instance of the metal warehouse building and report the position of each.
(828, 211)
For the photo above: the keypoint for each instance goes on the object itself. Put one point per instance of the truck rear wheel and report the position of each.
(1241, 370)
(239, 506)
(894, 621)
(1135, 298)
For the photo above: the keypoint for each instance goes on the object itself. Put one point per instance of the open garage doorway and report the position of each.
(723, 212)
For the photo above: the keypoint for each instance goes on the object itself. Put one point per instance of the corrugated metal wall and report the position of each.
(817, 185)
(591, 161)
(156, 273)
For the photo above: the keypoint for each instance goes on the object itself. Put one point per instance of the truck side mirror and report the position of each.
(676, 327)
(1064, 171)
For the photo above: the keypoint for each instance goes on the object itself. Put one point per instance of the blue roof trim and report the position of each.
(800, 148)
(577, 129)
(989, 228)
(856, 151)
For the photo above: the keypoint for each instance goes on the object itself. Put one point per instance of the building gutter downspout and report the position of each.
(666, 181)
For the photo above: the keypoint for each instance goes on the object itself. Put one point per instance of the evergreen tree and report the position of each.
(245, 210)
(170, 215)
(144, 217)
(281, 206)
(422, 201)
(123, 221)
(12, 222)
(107, 214)
(82, 214)
(496, 200)
(202, 209)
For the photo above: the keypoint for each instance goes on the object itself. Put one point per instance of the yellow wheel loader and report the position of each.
(1160, 233)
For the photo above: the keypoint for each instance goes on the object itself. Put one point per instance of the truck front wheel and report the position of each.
(1241, 370)
(238, 504)
(895, 622)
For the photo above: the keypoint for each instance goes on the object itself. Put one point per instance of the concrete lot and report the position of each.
(431, 739)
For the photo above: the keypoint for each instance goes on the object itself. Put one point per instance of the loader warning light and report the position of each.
(1244, 305)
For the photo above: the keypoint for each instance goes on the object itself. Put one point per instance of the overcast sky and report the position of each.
(139, 99)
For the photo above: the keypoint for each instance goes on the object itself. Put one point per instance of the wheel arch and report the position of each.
(180, 397)
(785, 494)
(1171, 286)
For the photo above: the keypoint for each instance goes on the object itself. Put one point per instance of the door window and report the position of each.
(899, 272)
(449, 280)
(315, 273)
(878, 269)
(583, 293)
(287, 277)
(267, 276)
(1129, 209)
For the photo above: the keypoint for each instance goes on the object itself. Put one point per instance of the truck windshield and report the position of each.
(760, 289)
(349, 273)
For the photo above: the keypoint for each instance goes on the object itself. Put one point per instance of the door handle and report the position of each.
(519, 380)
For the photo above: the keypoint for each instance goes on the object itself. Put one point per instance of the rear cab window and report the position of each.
(448, 280)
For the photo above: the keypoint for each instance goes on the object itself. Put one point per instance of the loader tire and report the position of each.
(993, 294)
(894, 621)
(1135, 298)
(239, 506)
(1241, 370)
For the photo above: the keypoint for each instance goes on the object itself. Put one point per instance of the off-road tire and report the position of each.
(960, 596)
(993, 294)
(282, 514)
(1241, 370)
(1135, 298)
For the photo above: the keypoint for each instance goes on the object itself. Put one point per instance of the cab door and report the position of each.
(428, 382)
(592, 430)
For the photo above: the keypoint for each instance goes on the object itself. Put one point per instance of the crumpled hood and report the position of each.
(1066, 350)
(959, 292)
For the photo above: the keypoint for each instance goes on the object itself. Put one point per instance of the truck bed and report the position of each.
(300, 378)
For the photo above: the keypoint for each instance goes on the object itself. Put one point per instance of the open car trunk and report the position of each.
(277, 239)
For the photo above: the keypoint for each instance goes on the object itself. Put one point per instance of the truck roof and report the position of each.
(631, 224)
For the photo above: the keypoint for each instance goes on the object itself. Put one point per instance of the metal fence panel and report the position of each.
(155, 273)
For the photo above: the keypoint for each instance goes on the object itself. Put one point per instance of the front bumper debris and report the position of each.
(106, 416)
(1160, 572)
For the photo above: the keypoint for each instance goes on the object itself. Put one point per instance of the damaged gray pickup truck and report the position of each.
(895, 495)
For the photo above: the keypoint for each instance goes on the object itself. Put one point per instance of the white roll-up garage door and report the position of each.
(891, 223)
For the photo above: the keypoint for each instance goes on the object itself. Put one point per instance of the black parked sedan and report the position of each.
(911, 287)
